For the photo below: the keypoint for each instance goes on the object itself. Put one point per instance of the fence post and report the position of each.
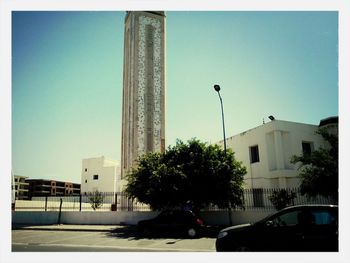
(46, 203)
(80, 202)
(59, 213)
(115, 201)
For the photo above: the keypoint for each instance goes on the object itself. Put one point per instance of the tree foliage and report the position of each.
(96, 200)
(282, 198)
(190, 172)
(319, 170)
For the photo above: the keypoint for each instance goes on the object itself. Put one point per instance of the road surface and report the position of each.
(121, 239)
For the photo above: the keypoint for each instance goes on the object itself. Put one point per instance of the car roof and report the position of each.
(310, 206)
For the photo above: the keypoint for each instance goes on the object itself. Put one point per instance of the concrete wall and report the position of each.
(115, 218)
(80, 218)
(35, 218)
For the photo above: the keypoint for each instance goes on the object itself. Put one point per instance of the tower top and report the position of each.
(159, 13)
(162, 13)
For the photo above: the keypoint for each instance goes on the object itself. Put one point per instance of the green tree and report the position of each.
(282, 198)
(319, 170)
(192, 172)
(96, 200)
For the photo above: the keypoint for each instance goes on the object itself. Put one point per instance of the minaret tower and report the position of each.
(143, 124)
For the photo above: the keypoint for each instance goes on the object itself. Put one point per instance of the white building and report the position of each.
(266, 151)
(100, 174)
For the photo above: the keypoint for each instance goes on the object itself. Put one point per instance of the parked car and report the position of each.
(297, 228)
(178, 222)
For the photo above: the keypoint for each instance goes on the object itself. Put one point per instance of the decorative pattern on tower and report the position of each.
(143, 126)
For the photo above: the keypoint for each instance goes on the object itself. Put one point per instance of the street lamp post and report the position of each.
(217, 89)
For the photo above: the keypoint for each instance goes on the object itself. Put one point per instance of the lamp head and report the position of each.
(217, 87)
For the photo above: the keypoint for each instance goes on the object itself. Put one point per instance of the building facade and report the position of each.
(21, 187)
(99, 174)
(266, 151)
(143, 117)
(43, 187)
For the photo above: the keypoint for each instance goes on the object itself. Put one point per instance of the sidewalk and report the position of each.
(64, 227)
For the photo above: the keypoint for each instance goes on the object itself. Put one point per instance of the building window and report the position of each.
(307, 147)
(254, 154)
(96, 177)
(85, 180)
(85, 169)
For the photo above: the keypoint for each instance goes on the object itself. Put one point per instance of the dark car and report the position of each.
(297, 228)
(178, 222)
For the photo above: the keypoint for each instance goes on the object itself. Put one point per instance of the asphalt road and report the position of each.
(75, 248)
(117, 240)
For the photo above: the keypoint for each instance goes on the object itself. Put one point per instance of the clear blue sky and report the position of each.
(67, 70)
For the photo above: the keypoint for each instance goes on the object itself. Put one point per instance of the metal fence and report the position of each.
(103, 201)
(259, 198)
(254, 199)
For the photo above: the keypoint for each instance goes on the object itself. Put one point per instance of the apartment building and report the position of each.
(21, 187)
(42, 187)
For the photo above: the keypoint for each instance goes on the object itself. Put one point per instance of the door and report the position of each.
(281, 232)
(321, 234)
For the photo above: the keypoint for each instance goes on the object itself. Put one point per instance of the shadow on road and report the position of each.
(126, 232)
(130, 232)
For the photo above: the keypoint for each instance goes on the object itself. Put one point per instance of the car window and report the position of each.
(324, 218)
(304, 217)
(287, 219)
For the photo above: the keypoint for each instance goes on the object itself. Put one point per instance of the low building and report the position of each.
(100, 174)
(43, 187)
(266, 151)
(21, 187)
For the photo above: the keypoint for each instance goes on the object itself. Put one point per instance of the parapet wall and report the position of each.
(126, 217)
